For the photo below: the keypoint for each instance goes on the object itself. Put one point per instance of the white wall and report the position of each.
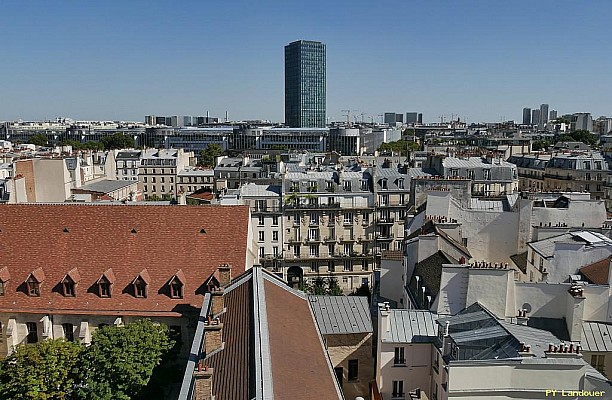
(392, 279)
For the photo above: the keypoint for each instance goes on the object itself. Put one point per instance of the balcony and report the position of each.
(331, 239)
(384, 236)
(300, 206)
(294, 240)
(346, 238)
(386, 221)
(313, 239)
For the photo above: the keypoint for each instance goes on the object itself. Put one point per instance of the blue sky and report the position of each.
(480, 60)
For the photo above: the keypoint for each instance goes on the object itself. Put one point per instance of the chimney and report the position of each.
(213, 335)
(384, 319)
(225, 274)
(202, 383)
(574, 313)
(522, 317)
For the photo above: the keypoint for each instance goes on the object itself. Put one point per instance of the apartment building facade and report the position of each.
(159, 169)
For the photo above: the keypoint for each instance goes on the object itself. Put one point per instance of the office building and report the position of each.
(543, 114)
(552, 115)
(535, 117)
(527, 116)
(305, 80)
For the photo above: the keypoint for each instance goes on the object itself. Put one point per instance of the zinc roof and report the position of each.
(341, 314)
(411, 326)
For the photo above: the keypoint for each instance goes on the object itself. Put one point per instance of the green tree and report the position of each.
(333, 287)
(118, 141)
(120, 360)
(363, 290)
(402, 147)
(39, 140)
(76, 145)
(540, 145)
(44, 370)
(208, 156)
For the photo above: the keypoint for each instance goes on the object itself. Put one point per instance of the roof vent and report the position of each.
(202, 230)
(66, 230)
(134, 230)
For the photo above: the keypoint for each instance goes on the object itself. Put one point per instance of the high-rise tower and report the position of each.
(305, 81)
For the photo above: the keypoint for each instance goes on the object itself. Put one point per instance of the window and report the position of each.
(296, 250)
(140, 287)
(353, 370)
(383, 199)
(144, 179)
(314, 266)
(68, 332)
(364, 267)
(347, 186)
(2, 288)
(162, 180)
(331, 267)
(399, 358)
(348, 265)
(471, 174)
(275, 236)
(398, 389)
(176, 288)
(153, 180)
(104, 287)
(348, 248)
(348, 217)
(364, 184)
(402, 199)
(260, 220)
(69, 287)
(275, 220)
(275, 251)
(261, 252)
(587, 165)
(261, 236)
(400, 183)
(486, 173)
(329, 186)
(32, 332)
(313, 234)
(314, 218)
(33, 286)
(330, 249)
(314, 250)
(366, 218)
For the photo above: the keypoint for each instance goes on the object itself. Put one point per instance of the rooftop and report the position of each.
(410, 326)
(184, 242)
(341, 314)
(107, 185)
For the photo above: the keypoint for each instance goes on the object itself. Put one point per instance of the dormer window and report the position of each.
(347, 186)
(176, 289)
(4, 277)
(33, 282)
(104, 287)
(400, 183)
(70, 281)
(33, 287)
(383, 184)
(140, 288)
(69, 287)
(1, 288)
(105, 283)
(140, 284)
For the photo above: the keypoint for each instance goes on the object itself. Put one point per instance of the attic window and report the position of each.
(202, 230)
(383, 183)
(140, 287)
(176, 288)
(33, 286)
(104, 287)
(66, 230)
(68, 285)
(134, 230)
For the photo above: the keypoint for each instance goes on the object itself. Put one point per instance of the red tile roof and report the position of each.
(99, 240)
(597, 272)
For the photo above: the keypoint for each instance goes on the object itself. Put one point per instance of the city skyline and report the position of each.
(117, 61)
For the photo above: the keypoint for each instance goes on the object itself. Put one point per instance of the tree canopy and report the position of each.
(402, 147)
(118, 364)
(39, 140)
(117, 141)
(208, 156)
(120, 360)
(583, 136)
(76, 145)
(323, 286)
(43, 370)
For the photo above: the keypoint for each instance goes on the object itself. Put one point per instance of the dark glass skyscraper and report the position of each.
(305, 84)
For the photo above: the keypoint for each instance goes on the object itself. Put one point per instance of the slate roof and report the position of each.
(481, 336)
(410, 326)
(520, 260)
(341, 314)
(123, 239)
(128, 155)
(546, 247)
(429, 272)
(597, 272)
(106, 186)
(596, 336)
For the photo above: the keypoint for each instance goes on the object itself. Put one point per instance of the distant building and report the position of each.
(527, 116)
(305, 84)
(413, 118)
(552, 115)
(543, 115)
(582, 121)
(535, 117)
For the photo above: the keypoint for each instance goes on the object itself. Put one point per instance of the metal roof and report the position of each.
(596, 336)
(341, 314)
(107, 185)
(411, 326)
(547, 246)
(254, 190)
